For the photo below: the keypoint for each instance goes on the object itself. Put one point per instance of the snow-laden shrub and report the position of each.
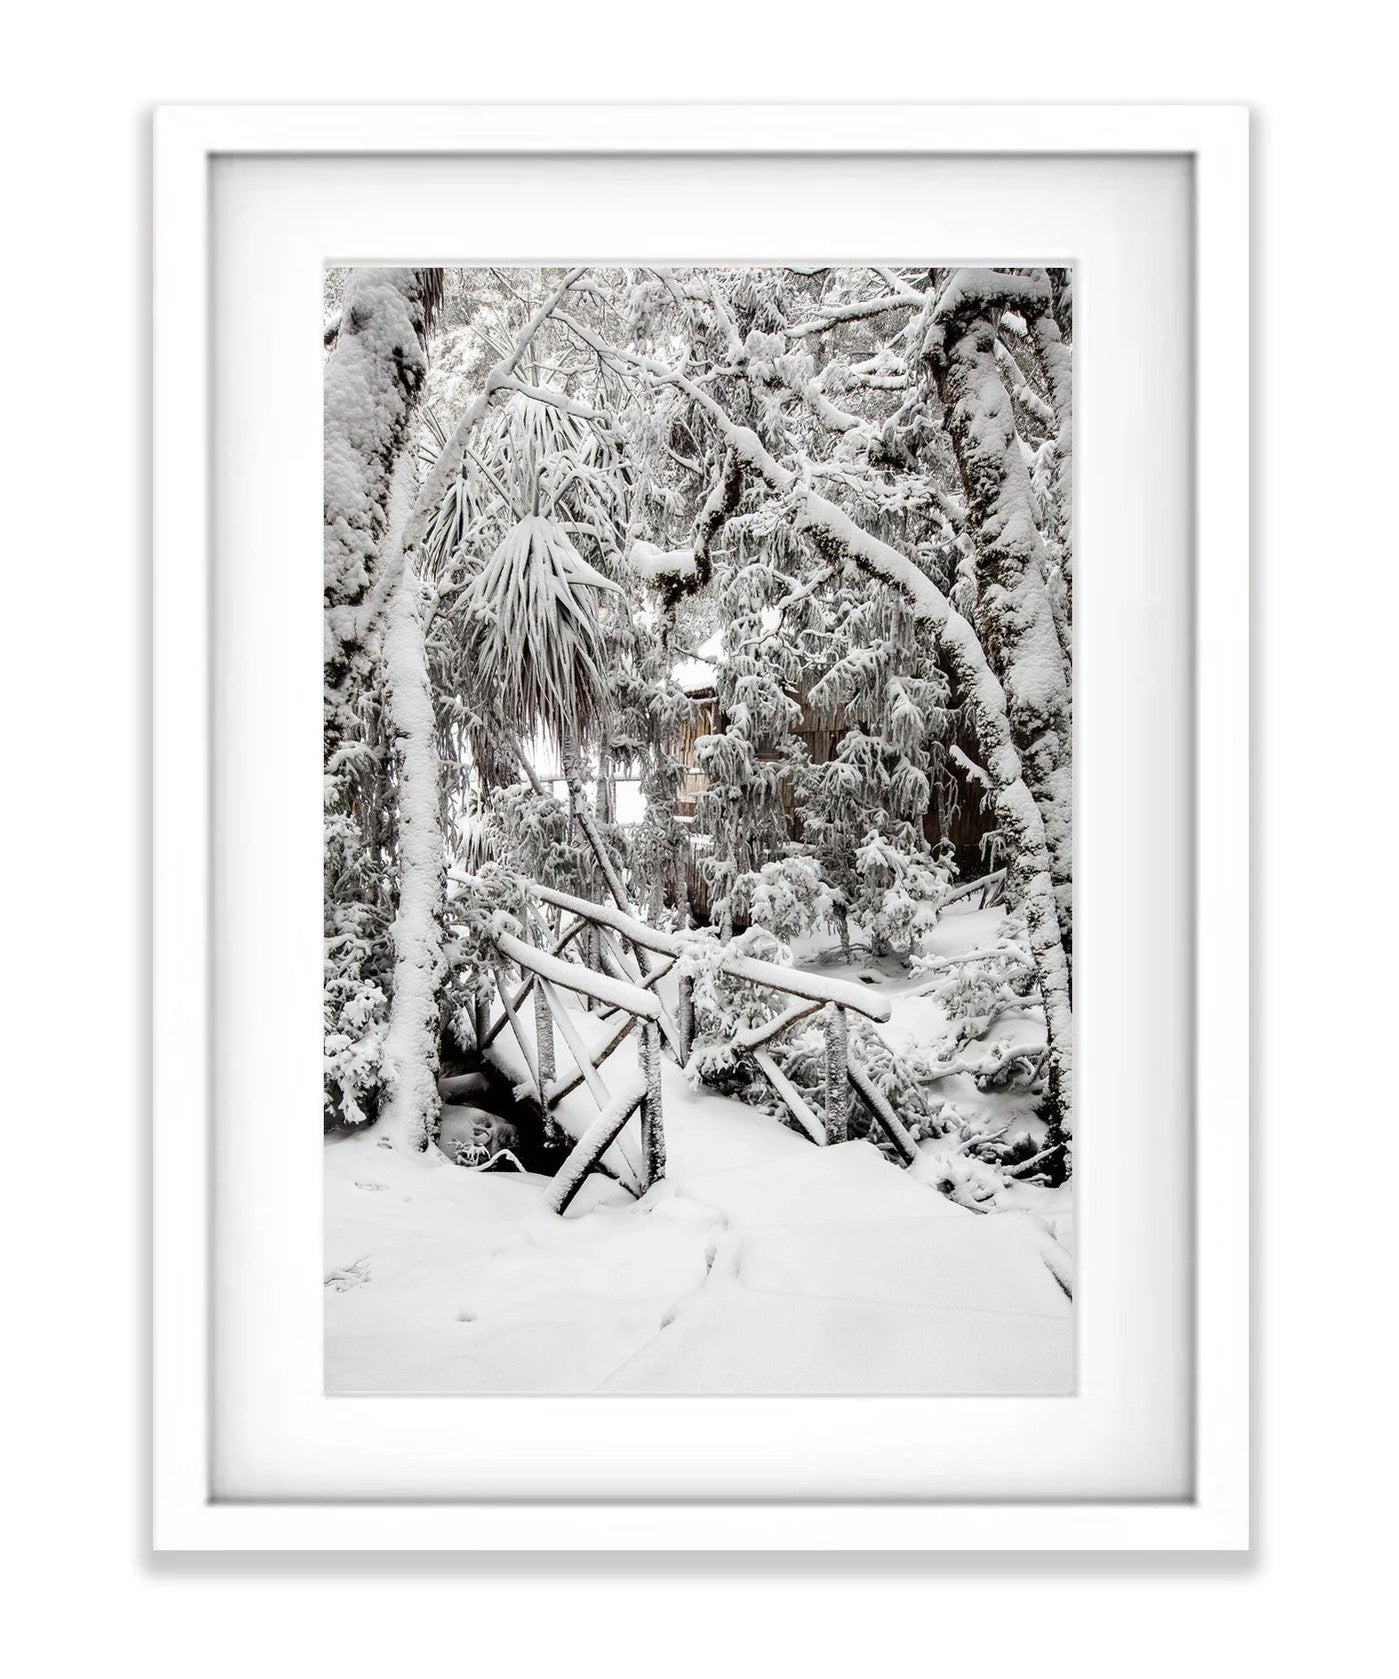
(480, 906)
(958, 1174)
(354, 1014)
(787, 898)
(477, 910)
(726, 1005)
(531, 830)
(975, 994)
(900, 894)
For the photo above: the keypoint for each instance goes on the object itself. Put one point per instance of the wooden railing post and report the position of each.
(592, 955)
(685, 1021)
(544, 1045)
(837, 1074)
(652, 1122)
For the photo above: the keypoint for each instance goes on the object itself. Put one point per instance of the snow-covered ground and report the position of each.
(761, 1263)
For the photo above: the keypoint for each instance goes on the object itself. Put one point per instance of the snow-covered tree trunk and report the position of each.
(373, 378)
(411, 1043)
(574, 777)
(1056, 357)
(1014, 613)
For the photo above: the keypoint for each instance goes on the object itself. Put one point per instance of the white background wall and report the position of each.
(73, 359)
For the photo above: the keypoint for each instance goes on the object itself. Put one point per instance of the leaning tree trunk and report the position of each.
(377, 701)
(1014, 614)
(583, 815)
(1056, 357)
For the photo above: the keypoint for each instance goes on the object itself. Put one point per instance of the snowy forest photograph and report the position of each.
(698, 868)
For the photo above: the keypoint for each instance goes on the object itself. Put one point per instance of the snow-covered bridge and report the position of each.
(707, 1246)
(584, 962)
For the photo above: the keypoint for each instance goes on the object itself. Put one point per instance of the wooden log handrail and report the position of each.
(602, 988)
(486, 1034)
(796, 1105)
(879, 1105)
(771, 975)
(567, 1083)
(810, 993)
(612, 960)
(585, 1062)
(608, 915)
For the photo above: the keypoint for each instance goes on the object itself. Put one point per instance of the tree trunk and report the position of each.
(373, 378)
(411, 1043)
(583, 815)
(1014, 614)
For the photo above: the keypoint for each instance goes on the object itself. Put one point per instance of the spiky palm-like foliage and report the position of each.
(534, 637)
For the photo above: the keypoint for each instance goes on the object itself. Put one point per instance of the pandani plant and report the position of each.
(530, 642)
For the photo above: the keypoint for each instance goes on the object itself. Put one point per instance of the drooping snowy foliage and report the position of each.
(533, 634)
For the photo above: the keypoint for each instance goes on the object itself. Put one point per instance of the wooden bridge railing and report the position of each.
(549, 974)
(625, 982)
(809, 993)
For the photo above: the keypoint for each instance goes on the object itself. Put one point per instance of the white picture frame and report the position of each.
(189, 1513)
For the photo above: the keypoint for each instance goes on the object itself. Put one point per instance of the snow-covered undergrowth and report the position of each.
(959, 1058)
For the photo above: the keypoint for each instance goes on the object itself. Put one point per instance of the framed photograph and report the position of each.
(701, 725)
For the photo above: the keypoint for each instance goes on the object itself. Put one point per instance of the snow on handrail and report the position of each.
(653, 938)
(791, 1096)
(601, 988)
(814, 987)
